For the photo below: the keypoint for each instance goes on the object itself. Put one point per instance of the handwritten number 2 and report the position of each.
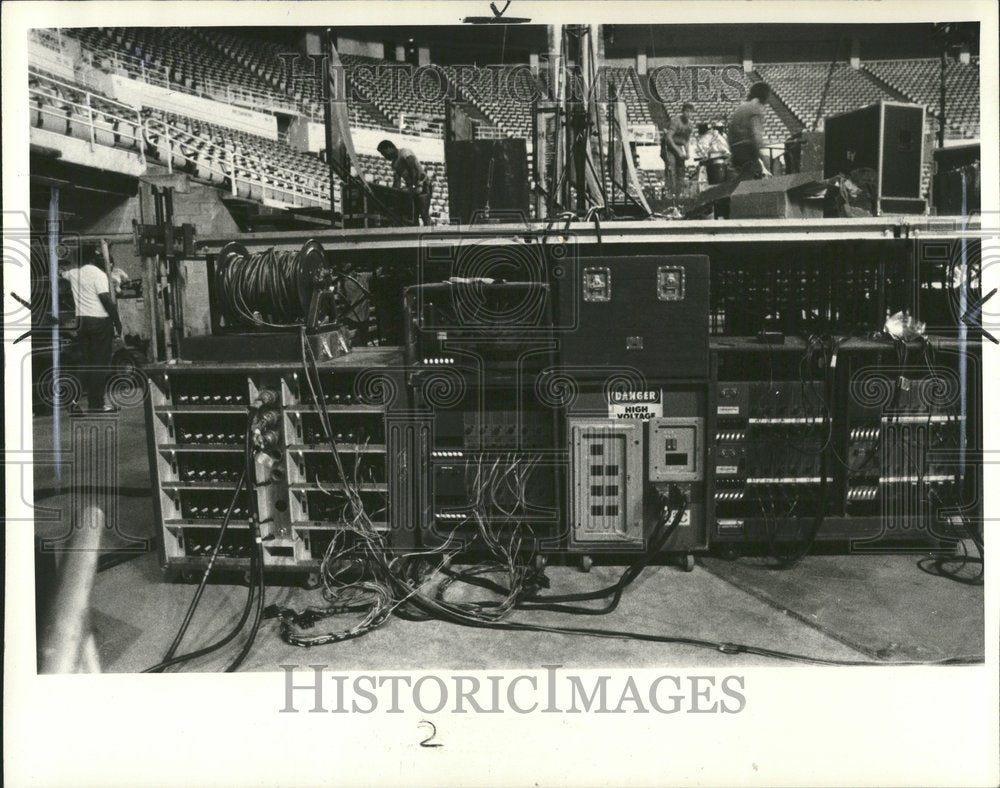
(429, 741)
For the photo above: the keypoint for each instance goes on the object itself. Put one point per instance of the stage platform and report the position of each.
(618, 232)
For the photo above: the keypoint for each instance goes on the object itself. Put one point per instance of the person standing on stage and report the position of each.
(746, 134)
(674, 147)
(97, 324)
(406, 167)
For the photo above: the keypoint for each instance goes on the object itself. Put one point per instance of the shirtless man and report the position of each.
(405, 167)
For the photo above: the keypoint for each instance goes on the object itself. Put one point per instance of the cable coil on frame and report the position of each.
(270, 288)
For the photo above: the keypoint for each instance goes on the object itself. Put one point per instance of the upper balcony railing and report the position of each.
(69, 109)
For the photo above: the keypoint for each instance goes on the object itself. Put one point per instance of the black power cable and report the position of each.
(205, 575)
(256, 583)
(443, 611)
(260, 288)
(257, 578)
(665, 528)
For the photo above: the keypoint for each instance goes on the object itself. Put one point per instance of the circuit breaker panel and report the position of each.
(606, 483)
(629, 470)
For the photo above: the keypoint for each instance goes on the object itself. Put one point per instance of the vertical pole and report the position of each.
(963, 337)
(150, 292)
(140, 137)
(612, 138)
(106, 255)
(944, 65)
(175, 278)
(53, 232)
(90, 121)
(329, 47)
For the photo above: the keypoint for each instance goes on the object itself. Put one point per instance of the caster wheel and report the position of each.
(586, 562)
(540, 563)
(311, 581)
(687, 563)
(246, 577)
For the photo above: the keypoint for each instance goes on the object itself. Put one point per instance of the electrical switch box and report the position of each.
(674, 448)
(607, 483)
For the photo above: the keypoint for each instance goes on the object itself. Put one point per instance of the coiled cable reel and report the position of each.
(288, 289)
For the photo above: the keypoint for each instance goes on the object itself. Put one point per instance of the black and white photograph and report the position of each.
(515, 393)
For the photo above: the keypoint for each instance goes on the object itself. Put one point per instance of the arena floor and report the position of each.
(845, 607)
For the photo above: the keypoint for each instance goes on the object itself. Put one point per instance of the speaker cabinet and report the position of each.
(485, 174)
(887, 138)
(646, 312)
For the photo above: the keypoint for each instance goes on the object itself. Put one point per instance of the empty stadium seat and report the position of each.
(814, 91)
(919, 80)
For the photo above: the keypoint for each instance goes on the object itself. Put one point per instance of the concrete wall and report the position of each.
(77, 151)
(351, 46)
(203, 208)
(141, 94)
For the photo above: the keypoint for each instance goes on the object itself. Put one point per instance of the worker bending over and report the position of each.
(405, 167)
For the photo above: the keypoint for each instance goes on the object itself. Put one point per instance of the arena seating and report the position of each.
(813, 91)
(504, 95)
(65, 108)
(720, 107)
(221, 63)
(395, 92)
(256, 55)
(183, 57)
(624, 80)
(920, 82)
(263, 168)
(264, 58)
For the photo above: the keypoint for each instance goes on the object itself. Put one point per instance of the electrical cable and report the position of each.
(379, 603)
(261, 288)
(208, 570)
(170, 659)
(258, 559)
(665, 528)
(446, 612)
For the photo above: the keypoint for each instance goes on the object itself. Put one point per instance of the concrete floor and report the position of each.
(852, 607)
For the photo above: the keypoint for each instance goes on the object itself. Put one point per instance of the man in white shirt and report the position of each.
(97, 323)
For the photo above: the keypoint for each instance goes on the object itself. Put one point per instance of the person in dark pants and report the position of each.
(746, 134)
(97, 323)
(406, 167)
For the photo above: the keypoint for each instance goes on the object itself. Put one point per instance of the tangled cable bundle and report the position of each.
(269, 288)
